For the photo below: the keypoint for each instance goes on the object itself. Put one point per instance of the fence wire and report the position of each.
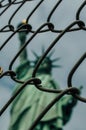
(48, 26)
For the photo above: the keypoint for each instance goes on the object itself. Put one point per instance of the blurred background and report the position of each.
(70, 48)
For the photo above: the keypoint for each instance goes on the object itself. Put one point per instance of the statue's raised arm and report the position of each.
(22, 38)
(24, 64)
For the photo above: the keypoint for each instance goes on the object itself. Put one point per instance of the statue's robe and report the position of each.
(30, 103)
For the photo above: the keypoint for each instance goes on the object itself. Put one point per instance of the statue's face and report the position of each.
(46, 65)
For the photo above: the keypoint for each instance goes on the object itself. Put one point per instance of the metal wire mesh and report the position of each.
(48, 26)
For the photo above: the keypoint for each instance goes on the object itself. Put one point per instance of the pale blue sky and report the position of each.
(70, 47)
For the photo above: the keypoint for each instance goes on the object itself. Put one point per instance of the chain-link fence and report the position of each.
(48, 26)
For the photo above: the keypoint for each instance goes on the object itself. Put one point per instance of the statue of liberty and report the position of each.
(30, 102)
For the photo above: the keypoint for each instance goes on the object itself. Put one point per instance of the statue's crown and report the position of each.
(48, 63)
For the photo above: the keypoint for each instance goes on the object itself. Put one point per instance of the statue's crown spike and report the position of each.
(49, 62)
